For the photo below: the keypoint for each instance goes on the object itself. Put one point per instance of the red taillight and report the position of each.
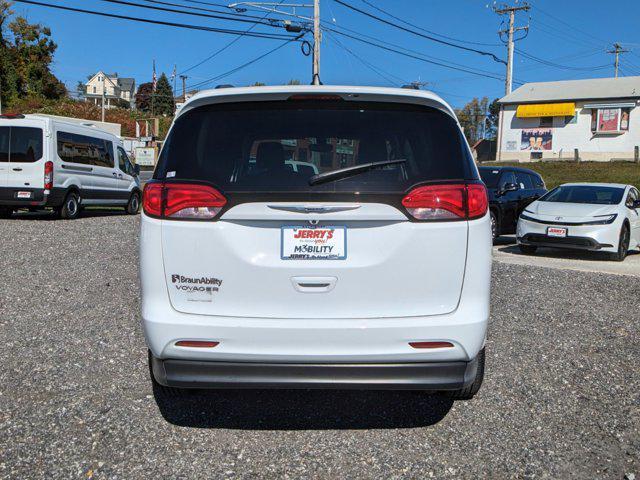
(196, 344)
(182, 201)
(431, 344)
(447, 202)
(48, 175)
(152, 199)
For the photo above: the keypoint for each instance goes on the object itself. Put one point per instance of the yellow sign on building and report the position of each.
(546, 110)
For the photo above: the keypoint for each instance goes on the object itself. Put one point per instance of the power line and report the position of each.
(381, 73)
(557, 65)
(159, 22)
(493, 76)
(195, 14)
(588, 35)
(202, 9)
(329, 27)
(414, 32)
(223, 48)
(428, 31)
(244, 65)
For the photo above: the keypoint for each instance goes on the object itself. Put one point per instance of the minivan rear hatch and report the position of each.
(283, 246)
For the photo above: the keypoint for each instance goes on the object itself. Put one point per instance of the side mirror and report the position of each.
(509, 187)
(636, 204)
(136, 169)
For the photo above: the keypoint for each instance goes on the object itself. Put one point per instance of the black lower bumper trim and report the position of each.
(578, 243)
(392, 376)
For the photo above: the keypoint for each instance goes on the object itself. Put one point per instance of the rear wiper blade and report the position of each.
(350, 171)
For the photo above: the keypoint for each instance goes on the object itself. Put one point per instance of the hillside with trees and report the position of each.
(26, 54)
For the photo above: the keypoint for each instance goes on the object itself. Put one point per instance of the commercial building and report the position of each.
(589, 120)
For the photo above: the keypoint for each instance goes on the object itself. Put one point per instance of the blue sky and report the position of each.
(570, 33)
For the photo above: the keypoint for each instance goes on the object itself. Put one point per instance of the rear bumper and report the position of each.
(39, 197)
(392, 376)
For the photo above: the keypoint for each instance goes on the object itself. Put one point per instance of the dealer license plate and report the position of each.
(556, 232)
(24, 195)
(313, 243)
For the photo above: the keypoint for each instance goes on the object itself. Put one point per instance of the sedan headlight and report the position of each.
(603, 219)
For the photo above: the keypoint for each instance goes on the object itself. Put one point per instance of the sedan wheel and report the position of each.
(494, 226)
(623, 245)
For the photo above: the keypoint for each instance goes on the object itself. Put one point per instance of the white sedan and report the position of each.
(586, 216)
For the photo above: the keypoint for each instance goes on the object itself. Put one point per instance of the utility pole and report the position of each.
(617, 50)
(276, 7)
(511, 11)
(316, 42)
(103, 95)
(184, 87)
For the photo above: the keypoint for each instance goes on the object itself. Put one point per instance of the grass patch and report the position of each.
(556, 173)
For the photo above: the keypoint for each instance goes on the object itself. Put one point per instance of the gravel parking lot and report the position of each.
(561, 398)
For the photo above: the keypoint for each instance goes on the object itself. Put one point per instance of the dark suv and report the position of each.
(510, 190)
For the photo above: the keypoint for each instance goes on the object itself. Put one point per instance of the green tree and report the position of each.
(294, 81)
(492, 119)
(472, 118)
(26, 54)
(143, 97)
(163, 101)
(258, 84)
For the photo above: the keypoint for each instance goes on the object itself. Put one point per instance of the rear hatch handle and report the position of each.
(314, 284)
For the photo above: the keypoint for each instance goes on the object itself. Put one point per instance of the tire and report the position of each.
(469, 392)
(623, 245)
(6, 212)
(528, 249)
(133, 206)
(161, 390)
(494, 225)
(70, 209)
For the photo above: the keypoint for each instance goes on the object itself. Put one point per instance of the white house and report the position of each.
(115, 88)
(593, 120)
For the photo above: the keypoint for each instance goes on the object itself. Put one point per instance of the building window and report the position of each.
(610, 120)
(94, 89)
(546, 122)
(570, 119)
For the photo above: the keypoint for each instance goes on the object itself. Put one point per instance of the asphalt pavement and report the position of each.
(561, 397)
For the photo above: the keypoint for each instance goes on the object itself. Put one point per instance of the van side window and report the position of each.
(85, 150)
(124, 163)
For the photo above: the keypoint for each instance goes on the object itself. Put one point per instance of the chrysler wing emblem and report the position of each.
(314, 208)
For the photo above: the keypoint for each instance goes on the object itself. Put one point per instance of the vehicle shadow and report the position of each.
(302, 409)
(85, 213)
(564, 254)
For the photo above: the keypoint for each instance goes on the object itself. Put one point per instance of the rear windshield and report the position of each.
(585, 194)
(278, 146)
(20, 144)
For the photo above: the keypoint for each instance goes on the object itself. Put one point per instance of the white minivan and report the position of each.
(48, 162)
(370, 271)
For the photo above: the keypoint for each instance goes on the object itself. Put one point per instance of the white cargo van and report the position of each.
(51, 163)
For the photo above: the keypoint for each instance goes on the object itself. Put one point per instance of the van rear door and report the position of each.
(25, 168)
(284, 246)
